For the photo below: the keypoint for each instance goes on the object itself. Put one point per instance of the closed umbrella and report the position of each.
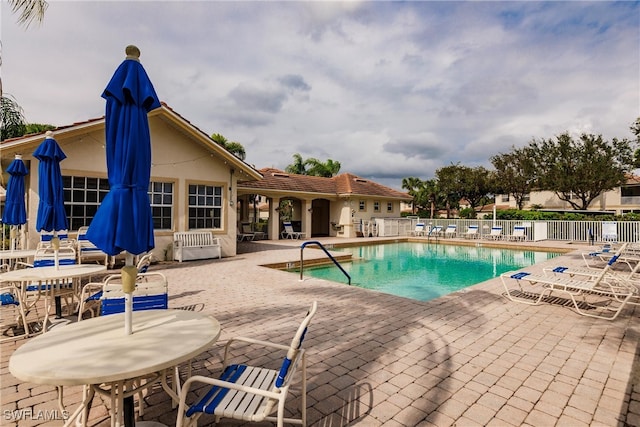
(15, 211)
(124, 221)
(51, 213)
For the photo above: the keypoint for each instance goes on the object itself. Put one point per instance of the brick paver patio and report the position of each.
(472, 358)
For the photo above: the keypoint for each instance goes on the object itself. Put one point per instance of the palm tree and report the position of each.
(298, 166)
(12, 123)
(412, 185)
(234, 148)
(30, 10)
(325, 169)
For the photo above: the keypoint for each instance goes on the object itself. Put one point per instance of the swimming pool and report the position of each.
(424, 271)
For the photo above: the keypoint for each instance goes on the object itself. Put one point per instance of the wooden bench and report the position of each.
(190, 245)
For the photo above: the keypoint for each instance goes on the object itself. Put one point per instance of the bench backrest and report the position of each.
(195, 238)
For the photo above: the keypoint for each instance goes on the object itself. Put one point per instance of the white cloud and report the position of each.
(389, 89)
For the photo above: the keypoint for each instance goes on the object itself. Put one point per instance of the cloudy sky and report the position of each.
(388, 89)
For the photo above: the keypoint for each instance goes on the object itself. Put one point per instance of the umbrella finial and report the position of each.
(18, 156)
(49, 134)
(132, 52)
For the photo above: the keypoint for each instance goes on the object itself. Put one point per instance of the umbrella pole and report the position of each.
(129, 273)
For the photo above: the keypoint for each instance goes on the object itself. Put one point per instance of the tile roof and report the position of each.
(345, 184)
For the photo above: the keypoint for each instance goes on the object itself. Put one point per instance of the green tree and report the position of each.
(475, 185)
(234, 148)
(318, 168)
(578, 171)
(431, 195)
(298, 166)
(12, 123)
(29, 10)
(37, 128)
(413, 186)
(450, 186)
(515, 173)
(635, 129)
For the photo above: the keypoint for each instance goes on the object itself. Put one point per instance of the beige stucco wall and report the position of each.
(176, 158)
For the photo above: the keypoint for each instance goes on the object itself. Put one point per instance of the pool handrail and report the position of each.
(315, 242)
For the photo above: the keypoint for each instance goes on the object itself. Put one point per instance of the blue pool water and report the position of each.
(424, 271)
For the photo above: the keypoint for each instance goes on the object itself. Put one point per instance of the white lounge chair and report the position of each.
(435, 231)
(472, 232)
(518, 234)
(420, 230)
(450, 231)
(251, 393)
(245, 233)
(289, 233)
(495, 234)
(603, 298)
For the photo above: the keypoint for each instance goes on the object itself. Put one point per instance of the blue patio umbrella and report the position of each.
(15, 211)
(124, 221)
(51, 212)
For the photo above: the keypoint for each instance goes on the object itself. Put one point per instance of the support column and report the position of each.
(307, 218)
(274, 218)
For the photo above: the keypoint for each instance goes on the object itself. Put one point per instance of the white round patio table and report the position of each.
(97, 351)
(50, 274)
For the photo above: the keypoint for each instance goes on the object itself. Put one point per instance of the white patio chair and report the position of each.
(251, 393)
(518, 234)
(87, 251)
(13, 320)
(289, 233)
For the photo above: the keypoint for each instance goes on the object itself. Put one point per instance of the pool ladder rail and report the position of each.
(315, 242)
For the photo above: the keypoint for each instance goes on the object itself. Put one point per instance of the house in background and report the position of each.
(193, 179)
(344, 205)
(621, 200)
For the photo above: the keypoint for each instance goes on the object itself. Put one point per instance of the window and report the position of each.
(505, 198)
(83, 195)
(526, 197)
(161, 199)
(376, 206)
(363, 205)
(205, 206)
(389, 206)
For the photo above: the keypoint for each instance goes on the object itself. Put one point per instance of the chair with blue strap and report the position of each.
(67, 289)
(251, 393)
(151, 293)
(13, 321)
(87, 251)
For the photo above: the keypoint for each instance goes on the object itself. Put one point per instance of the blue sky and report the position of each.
(389, 89)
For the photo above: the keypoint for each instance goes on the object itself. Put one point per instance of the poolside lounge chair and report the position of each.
(420, 230)
(495, 234)
(435, 231)
(518, 234)
(251, 393)
(472, 232)
(289, 233)
(450, 231)
(605, 296)
(245, 233)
